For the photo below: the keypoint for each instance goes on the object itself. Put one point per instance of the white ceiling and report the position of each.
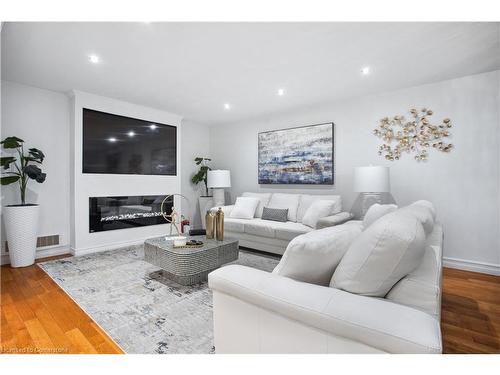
(192, 69)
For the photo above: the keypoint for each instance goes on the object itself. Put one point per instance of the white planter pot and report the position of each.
(21, 226)
(206, 203)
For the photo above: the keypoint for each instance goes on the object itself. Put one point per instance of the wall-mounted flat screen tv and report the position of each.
(116, 144)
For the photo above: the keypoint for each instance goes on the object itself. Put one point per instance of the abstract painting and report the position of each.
(301, 155)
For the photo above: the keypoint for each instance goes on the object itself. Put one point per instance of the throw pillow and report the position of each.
(275, 214)
(316, 211)
(376, 211)
(313, 257)
(244, 208)
(264, 200)
(381, 255)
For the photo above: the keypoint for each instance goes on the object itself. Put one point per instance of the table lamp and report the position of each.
(219, 179)
(373, 185)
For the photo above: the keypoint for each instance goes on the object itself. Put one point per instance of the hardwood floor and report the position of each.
(37, 316)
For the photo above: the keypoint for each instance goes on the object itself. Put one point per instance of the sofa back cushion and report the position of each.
(312, 257)
(380, 256)
(376, 211)
(307, 199)
(262, 197)
(289, 201)
(244, 208)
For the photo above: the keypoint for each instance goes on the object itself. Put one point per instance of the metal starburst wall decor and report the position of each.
(415, 135)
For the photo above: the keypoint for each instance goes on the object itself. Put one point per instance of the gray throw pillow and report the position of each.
(275, 214)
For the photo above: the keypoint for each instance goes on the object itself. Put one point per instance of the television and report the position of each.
(114, 144)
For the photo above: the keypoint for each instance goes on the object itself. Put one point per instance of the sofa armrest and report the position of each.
(375, 322)
(226, 209)
(333, 220)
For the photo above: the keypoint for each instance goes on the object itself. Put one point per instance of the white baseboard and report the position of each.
(41, 253)
(474, 266)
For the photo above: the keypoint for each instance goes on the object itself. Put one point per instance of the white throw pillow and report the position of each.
(306, 200)
(312, 257)
(316, 211)
(381, 255)
(264, 200)
(376, 211)
(244, 208)
(290, 201)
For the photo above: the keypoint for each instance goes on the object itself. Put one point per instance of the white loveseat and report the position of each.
(274, 236)
(262, 312)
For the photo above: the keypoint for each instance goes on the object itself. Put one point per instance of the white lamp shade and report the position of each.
(372, 179)
(219, 179)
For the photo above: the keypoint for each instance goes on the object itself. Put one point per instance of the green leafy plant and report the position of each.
(202, 173)
(24, 169)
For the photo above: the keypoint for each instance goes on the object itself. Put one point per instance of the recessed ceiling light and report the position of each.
(227, 106)
(94, 59)
(365, 70)
(112, 139)
(131, 133)
(152, 126)
(281, 92)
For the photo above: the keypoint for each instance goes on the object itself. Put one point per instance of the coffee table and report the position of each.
(189, 266)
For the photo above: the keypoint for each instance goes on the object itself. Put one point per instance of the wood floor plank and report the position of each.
(81, 342)
(35, 311)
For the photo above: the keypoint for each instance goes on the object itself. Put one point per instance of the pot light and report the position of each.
(112, 139)
(152, 126)
(94, 59)
(227, 106)
(281, 92)
(131, 133)
(365, 70)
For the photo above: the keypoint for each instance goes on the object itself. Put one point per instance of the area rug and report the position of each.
(142, 311)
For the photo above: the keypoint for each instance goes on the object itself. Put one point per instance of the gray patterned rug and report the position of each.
(141, 310)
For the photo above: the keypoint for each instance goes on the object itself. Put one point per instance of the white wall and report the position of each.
(463, 185)
(41, 119)
(87, 185)
(195, 142)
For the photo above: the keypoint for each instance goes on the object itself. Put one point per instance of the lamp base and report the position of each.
(365, 200)
(219, 199)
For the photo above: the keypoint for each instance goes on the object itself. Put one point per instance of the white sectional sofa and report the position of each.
(273, 236)
(262, 312)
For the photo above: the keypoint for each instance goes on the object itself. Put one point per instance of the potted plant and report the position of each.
(205, 201)
(21, 220)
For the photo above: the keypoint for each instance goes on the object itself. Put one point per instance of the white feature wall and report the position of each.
(86, 185)
(195, 142)
(41, 118)
(463, 185)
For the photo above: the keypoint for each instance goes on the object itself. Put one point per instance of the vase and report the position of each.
(21, 226)
(206, 203)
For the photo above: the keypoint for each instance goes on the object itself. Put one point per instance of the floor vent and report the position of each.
(41, 241)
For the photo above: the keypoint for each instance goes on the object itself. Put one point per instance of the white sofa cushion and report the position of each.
(288, 231)
(427, 204)
(382, 255)
(234, 225)
(422, 212)
(313, 257)
(275, 229)
(421, 288)
(307, 199)
(290, 201)
(262, 228)
(317, 210)
(262, 197)
(244, 208)
(376, 211)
